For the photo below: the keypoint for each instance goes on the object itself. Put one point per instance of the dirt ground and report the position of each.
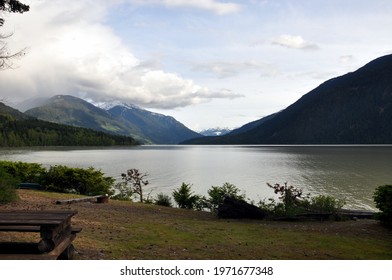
(90, 213)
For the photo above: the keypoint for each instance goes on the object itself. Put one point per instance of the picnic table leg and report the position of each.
(52, 236)
(68, 253)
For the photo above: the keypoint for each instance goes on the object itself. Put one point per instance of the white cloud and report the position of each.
(217, 7)
(346, 59)
(70, 51)
(224, 69)
(293, 42)
(211, 5)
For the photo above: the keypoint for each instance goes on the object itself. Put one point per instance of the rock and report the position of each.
(233, 208)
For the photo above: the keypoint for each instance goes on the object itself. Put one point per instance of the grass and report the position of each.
(126, 230)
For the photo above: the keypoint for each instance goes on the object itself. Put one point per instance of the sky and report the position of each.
(207, 63)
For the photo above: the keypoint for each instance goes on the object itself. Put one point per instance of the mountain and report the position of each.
(31, 103)
(70, 110)
(251, 125)
(145, 126)
(215, 131)
(18, 129)
(160, 129)
(355, 108)
(10, 112)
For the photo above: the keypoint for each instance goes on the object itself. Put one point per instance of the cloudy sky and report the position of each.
(207, 63)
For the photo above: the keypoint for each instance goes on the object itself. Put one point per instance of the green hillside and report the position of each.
(18, 130)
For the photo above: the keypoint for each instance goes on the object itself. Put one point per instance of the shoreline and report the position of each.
(126, 230)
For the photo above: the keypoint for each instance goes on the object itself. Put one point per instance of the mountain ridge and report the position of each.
(355, 108)
(123, 119)
(18, 130)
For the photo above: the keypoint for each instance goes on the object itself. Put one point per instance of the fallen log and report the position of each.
(97, 198)
(356, 214)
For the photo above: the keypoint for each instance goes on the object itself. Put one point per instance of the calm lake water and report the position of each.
(350, 172)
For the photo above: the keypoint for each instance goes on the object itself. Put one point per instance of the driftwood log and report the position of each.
(233, 208)
(96, 198)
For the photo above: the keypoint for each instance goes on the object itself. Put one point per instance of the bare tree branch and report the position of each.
(12, 6)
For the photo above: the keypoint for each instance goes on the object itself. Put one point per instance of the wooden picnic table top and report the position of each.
(35, 218)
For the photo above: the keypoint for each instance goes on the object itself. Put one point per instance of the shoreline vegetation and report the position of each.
(124, 229)
(130, 230)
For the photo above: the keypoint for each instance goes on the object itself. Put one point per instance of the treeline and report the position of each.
(33, 132)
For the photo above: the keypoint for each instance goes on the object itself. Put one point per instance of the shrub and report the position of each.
(185, 197)
(163, 200)
(325, 204)
(24, 172)
(7, 188)
(122, 191)
(217, 195)
(294, 203)
(383, 200)
(78, 180)
(289, 196)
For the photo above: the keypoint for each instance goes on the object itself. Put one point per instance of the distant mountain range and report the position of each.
(122, 119)
(19, 130)
(215, 131)
(355, 108)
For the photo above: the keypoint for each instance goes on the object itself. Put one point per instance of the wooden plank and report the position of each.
(38, 211)
(21, 228)
(35, 217)
(27, 257)
(32, 229)
(30, 222)
(47, 214)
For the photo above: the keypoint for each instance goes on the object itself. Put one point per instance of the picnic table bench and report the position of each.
(54, 226)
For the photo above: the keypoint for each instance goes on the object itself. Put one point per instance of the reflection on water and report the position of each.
(351, 172)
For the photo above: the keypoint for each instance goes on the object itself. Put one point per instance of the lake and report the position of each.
(349, 172)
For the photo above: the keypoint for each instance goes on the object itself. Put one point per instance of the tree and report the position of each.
(185, 197)
(136, 180)
(11, 6)
(289, 194)
(383, 199)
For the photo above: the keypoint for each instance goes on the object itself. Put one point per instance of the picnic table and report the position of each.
(54, 227)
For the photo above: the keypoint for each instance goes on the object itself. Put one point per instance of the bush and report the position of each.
(294, 203)
(163, 200)
(185, 197)
(289, 195)
(383, 200)
(78, 180)
(325, 204)
(24, 172)
(218, 194)
(7, 188)
(122, 191)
